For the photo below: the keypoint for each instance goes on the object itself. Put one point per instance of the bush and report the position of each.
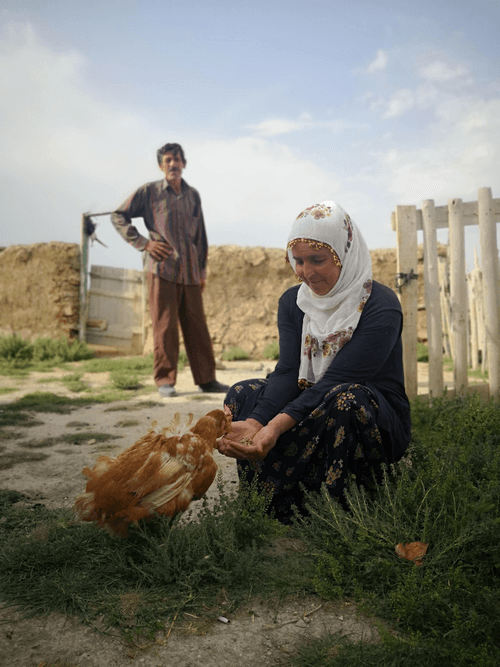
(272, 351)
(60, 350)
(445, 492)
(183, 360)
(74, 382)
(422, 352)
(14, 348)
(122, 380)
(235, 354)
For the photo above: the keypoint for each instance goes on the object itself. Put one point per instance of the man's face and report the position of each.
(172, 166)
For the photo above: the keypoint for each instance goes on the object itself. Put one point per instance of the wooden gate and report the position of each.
(115, 308)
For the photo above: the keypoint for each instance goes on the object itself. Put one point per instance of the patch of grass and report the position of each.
(8, 497)
(74, 382)
(235, 354)
(478, 374)
(422, 352)
(133, 406)
(70, 438)
(183, 360)
(272, 351)
(14, 369)
(135, 365)
(445, 493)
(127, 422)
(124, 380)
(61, 350)
(17, 412)
(7, 390)
(15, 348)
(18, 351)
(8, 461)
(141, 583)
(202, 397)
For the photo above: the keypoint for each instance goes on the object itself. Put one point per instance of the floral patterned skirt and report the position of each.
(338, 439)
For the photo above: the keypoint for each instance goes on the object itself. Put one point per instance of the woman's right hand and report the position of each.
(246, 429)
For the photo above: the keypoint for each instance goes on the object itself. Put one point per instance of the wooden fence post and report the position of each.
(407, 262)
(84, 263)
(489, 266)
(445, 306)
(432, 301)
(458, 289)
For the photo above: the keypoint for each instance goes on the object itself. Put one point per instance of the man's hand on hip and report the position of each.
(159, 250)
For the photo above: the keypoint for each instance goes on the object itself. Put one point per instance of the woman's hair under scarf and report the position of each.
(331, 319)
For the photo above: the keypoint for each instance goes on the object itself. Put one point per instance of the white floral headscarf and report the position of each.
(330, 320)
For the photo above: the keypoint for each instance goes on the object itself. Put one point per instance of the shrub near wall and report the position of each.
(39, 290)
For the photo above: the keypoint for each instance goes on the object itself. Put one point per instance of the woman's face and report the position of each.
(316, 268)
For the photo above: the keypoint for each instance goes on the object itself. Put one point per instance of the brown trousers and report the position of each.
(169, 305)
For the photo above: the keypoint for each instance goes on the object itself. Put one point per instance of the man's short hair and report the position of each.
(175, 149)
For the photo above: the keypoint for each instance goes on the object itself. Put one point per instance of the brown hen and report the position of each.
(159, 474)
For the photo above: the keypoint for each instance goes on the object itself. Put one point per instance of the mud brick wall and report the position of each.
(39, 290)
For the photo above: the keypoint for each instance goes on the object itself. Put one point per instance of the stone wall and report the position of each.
(39, 290)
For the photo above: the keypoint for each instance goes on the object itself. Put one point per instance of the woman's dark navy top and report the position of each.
(373, 358)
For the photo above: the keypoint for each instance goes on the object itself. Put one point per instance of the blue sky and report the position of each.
(277, 104)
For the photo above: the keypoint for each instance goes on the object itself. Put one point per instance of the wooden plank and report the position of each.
(115, 295)
(407, 260)
(473, 315)
(116, 274)
(489, 265)
(458, 293)
(470, 215)
(445, 306)
(432, 301)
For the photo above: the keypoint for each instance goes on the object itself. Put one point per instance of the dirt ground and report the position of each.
(256, 636)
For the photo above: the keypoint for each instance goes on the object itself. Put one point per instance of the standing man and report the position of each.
(176, 259)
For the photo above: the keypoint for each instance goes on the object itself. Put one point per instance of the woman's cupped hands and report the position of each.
(248, 440)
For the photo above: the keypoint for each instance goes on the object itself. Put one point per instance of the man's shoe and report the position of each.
(167, 390)
(214, 387)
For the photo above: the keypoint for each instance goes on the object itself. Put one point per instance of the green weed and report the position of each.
(124, 380)
(164, 568)
(422, 352)
(74, 382)
(272, 351)
(445, 493)
(18, 351)
(235, 354)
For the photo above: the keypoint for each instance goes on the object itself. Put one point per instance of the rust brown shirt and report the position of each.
(176, 219)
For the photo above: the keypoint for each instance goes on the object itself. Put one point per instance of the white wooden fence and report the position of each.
(407, 220)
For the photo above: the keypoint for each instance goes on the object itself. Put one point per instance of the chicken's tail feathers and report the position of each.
(175, 427)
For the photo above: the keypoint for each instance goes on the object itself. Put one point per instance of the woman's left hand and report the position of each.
(262, 442)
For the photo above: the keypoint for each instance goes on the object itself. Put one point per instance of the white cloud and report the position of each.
(440, 71)
(379, 63)
(273, 127)
(464, 159)
(64, 152)
(401, 102)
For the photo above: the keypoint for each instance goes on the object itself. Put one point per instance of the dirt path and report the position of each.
(45, 461)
